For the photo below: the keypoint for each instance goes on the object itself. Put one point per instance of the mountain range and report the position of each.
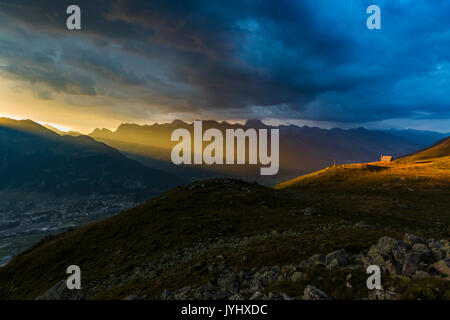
(34, 158)
(302, 149)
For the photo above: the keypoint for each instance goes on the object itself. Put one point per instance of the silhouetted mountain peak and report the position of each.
(100, 131)
(255, 123)
(178, 122)
(28, 126)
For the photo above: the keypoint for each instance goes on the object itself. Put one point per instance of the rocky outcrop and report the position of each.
(409, 256)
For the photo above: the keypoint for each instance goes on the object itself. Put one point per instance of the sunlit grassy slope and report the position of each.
(439, 149)
(413, 191)
(423, 175)
(427, 170)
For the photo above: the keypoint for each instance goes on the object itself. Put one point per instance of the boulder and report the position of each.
(438, 254)
(434, 244)
(296, 276)
(337, 259)
(317, 259)
(410, 266)
(309, 211)
(390, 253)
(399, 252)
(312, 293)
(443, 267)
(412, 239)
(423, 253)
(384, 246)
(374, 257)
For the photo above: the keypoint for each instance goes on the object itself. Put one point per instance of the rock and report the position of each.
(165, 294)
(312, 293)
(410, 266)
(309, 211)
(412, 239)
(447, 252)
(419, 274)
(424, 254)
(296, 276)
(375, 257)
(389, 252)
(434, 244)
(444, 243)
(317, 259)
(60, 292)
(337, 259)
(382, 295)
(256, 296)
(399, 252)
(390, 267)
(286, 297)
(384, 246)
(443, 267)
(438, 254)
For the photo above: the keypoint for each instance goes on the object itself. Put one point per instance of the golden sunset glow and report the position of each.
(20, 103)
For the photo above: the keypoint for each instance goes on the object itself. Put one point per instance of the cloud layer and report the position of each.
(312, 60)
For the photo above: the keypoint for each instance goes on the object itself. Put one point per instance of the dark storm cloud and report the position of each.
(286, 59)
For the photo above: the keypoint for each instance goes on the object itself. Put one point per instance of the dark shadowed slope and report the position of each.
(33, 158)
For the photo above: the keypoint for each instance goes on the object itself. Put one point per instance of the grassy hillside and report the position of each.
(225, 239)
(439, 149)
(406, 192)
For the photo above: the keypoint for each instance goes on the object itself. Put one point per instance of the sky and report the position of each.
(301, 62)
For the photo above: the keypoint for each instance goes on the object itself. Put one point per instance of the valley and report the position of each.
(26, 218)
